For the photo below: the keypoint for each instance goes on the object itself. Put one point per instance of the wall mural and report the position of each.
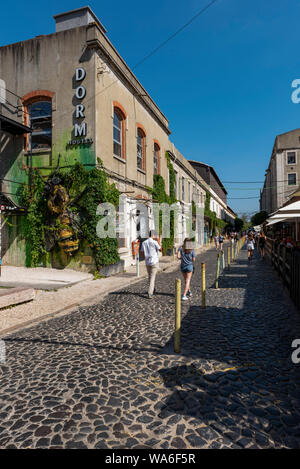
(65, 226)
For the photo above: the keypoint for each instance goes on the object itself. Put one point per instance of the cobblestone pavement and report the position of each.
(106, 376)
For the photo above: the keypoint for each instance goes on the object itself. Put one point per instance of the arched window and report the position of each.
(141, 148)
(119, 133)
(40, 120)
(38, 116)
(156, 158)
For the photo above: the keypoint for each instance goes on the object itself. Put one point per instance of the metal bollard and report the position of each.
(173, 253)
(218, 271)
(137, 265)
(228, 258)
(232, 254)
(223, 259)
(177, 316)
(203, 285)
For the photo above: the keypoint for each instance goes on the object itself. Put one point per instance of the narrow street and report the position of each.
(106, 375)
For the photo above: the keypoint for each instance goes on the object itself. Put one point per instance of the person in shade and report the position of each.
(262, 244)
(216, 240)
(187, 256)
(151, 248)
(221, 241)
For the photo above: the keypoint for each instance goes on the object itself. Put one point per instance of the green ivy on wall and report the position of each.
(160, 196)
(213, 220)
(75, 180)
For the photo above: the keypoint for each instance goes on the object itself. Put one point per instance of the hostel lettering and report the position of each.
(80, 128)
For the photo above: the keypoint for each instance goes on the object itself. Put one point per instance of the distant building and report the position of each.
(218, 201)
(283, 173)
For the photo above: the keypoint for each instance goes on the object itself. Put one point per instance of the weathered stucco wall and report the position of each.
(49, 63)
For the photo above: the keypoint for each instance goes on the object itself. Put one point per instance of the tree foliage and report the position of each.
(238, 224)
(259, 218)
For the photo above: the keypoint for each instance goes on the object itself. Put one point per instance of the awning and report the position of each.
(290, 207)
(276, 220)
(13, 127)
(292, 217)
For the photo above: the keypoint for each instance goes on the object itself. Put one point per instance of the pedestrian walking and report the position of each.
(151, 248)
(250, 246)
(232, 238)
(216, 240)
(187, 256)
(221, 241)
(262, 244)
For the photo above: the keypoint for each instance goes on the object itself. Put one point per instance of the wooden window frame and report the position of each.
(31, 98)
(117, 107)
(140, 128)
(156, 144)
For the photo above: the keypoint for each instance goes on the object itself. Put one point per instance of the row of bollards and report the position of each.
(232, 254)
(234, 251)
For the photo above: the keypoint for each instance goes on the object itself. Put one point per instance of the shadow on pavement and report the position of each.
(239, 379)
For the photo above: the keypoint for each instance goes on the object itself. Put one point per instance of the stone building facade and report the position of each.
(84, 104)
(282, 176)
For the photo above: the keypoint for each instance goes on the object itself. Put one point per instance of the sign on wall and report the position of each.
(80, 126)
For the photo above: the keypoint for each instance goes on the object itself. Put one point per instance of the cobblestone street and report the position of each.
(106, 375)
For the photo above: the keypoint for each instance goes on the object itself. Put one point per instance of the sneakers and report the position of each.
(150, 296)
(189, 293)
(184, 298)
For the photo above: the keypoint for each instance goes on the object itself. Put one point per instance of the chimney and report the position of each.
(75, 18)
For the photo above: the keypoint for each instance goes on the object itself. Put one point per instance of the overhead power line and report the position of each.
(160, 46)
(242, 198)
(150, 54)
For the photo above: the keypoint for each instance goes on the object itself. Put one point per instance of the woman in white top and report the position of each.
(250, 246)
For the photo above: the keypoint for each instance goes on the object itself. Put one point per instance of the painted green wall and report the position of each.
(46, 163)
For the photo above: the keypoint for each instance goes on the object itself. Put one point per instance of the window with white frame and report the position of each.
(292, 179)
(291, 157)
(183, 188)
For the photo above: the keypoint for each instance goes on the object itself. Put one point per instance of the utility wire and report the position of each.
(150, 54)
(242, 198)
(160, 46)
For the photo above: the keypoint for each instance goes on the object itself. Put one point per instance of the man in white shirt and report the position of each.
(151, 248)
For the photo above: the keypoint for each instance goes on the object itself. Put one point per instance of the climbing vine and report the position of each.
(213, 220)
(89, 188)
(160, 196)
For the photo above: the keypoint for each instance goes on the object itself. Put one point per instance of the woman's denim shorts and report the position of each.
(187, 268)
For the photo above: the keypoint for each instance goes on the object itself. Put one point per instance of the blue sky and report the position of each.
(224, 83)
